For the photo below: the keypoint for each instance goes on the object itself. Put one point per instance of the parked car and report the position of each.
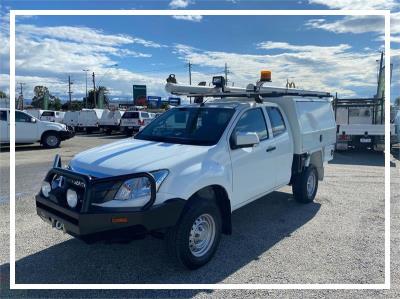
(132, 121)
(29, 129)
(47, 115)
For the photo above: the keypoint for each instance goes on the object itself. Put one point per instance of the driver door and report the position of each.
(253, 171)
(26, 128)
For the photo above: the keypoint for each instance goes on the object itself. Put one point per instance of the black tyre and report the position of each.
(194, 240)
(108, 131)
(51, 140)
(89, 130)
(305, 185)
(129, 133)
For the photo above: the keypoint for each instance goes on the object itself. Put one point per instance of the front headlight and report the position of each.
(138, 190)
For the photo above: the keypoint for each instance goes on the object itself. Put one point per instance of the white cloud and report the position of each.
(83, 35)
(179, 3)
(333, 68)
(350, 24)
(192, 18)
(48, 59)
(360, 24)
(357, 4)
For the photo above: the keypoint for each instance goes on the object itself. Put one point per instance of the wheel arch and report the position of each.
(47, 132)
(316, 159)
(221, 197)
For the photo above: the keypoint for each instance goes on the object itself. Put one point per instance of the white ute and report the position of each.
(186, 172)
(29, 129)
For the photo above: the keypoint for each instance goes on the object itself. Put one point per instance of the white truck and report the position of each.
(360, 124)
(186, 172)
(110, 120)
(132, 121)
(84, 120)
(29, 129)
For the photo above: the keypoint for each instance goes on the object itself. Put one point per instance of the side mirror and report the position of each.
(33, 120)
(246, 139)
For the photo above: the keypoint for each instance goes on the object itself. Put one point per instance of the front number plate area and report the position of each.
(55, 223)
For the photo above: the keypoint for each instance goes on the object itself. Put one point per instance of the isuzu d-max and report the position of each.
(186, 172)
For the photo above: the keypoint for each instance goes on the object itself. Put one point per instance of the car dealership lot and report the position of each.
(337, 239)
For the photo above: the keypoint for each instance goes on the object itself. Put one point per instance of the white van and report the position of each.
(110, 120)
(131, 121)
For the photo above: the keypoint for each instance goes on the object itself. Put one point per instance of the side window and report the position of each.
(277, 122)
(22, 117)
(3, 115)
(252, 121)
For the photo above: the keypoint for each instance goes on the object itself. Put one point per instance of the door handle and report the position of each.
(270, 149)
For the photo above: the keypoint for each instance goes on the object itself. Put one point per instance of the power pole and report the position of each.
(94, 89)
(226, 74)
(69, 91)
(190, 78)
(86, 85)
(20, 104)
(190, 73)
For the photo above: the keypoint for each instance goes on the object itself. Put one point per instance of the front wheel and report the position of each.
(305, 185)
(51, 140)
(194, 240)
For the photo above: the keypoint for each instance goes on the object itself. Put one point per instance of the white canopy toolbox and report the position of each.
(311, 120)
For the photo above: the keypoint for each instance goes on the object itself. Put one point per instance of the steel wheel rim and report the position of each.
(311, 184)
(202, 235)
(51, 140)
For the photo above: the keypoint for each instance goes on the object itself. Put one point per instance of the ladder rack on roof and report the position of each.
(250, 92)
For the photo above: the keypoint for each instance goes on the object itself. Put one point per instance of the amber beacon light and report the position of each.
(265, 76)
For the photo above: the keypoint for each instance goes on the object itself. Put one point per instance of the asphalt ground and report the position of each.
(337, 239)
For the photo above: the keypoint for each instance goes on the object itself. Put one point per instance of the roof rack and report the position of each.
(256, 92)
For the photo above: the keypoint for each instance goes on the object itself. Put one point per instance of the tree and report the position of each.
(74, 106)
(3, 95)
(54, 103)
(90, 102)
(397, 101)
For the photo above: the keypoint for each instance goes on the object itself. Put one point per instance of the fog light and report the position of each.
(46, 188)
(72, 198)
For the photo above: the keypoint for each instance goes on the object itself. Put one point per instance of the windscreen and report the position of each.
(131, 114)
(48, 113)
(188, 125)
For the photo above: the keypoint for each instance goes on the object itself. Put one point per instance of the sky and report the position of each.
(328, 53)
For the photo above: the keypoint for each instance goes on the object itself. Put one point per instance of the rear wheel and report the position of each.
(194, 240)
(305, 185)
(51, 140)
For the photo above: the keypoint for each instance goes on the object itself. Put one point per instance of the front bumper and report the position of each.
(89, 219)
(64, 135)
(102, 224)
